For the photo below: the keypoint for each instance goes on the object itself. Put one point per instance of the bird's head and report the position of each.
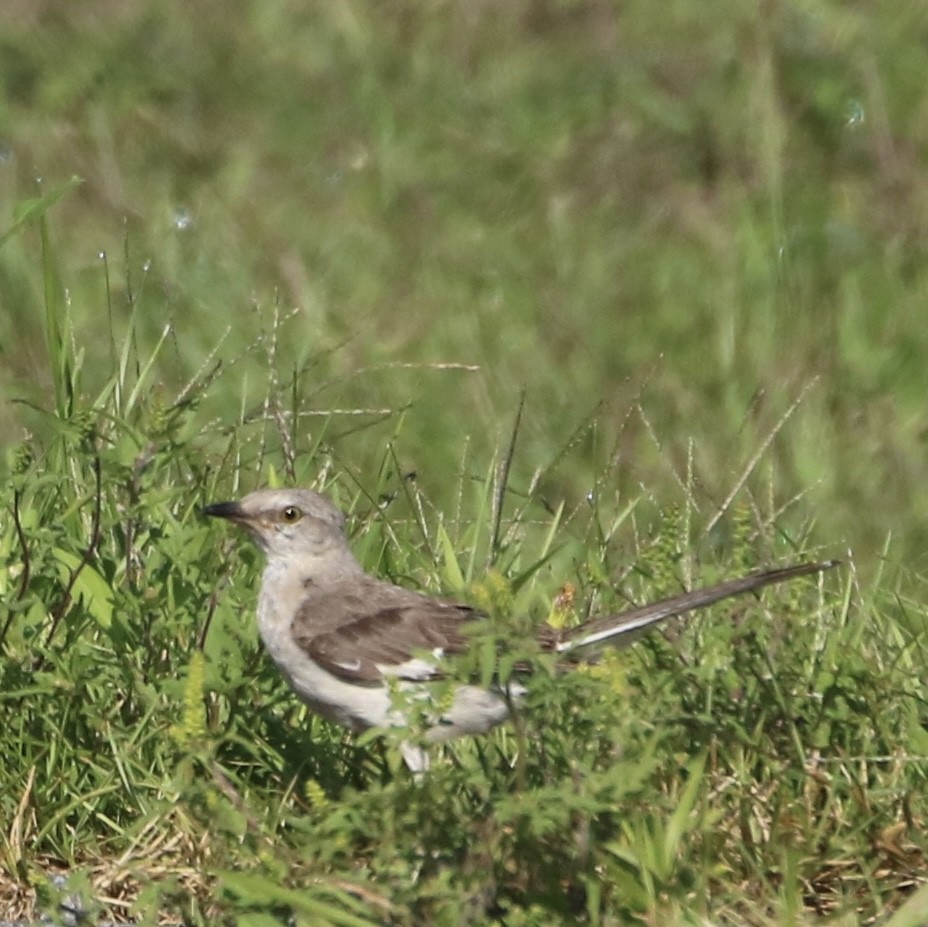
(287, 523)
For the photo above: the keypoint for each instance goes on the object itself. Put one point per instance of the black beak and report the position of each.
(230, 510)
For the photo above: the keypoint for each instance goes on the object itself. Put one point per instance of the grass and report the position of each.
(592, 304)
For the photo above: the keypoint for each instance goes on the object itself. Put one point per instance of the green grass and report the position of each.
(607, 300)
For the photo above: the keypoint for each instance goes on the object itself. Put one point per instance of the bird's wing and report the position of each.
(405, 638)
(364, 635)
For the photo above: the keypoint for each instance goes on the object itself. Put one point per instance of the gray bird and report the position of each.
(340, 636)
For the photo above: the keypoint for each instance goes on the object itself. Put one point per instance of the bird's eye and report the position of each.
(291, 514)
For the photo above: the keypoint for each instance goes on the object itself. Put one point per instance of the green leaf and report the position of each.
(261, 890)
(36, 207)
(90, 587)
(914, 913)
(452, 569)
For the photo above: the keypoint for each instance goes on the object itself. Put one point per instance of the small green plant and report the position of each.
(692, 243)
(148, 742)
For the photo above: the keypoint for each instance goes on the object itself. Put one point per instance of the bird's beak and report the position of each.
(231, 510)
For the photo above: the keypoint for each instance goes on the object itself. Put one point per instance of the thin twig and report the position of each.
(222, 782)
(681, 481)
(503, 479)
(249, 418)
(21, 535)
(397, 365)
(210, 611)
(27, 564)
(752, 463)
(89, 553)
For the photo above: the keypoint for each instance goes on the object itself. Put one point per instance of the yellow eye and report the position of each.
(291, 514)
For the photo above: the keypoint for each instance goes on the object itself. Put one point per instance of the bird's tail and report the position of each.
(635, 619)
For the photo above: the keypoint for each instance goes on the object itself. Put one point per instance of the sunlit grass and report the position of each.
(764, 755)
(563, 304)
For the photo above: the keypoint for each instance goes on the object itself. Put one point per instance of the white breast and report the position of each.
(357, 707)
(473, 709)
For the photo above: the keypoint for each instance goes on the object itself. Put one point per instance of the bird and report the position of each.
(345, 640)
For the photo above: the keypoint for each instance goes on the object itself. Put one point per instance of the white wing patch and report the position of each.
(351, 666)
(414, 668)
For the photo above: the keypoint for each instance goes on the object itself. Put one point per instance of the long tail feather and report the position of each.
(627, 622)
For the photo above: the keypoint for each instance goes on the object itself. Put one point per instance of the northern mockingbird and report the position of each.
(344, 640)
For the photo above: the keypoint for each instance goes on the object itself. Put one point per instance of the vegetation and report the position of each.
(569, 305)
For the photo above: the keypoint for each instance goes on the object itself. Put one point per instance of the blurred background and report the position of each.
(691, 235)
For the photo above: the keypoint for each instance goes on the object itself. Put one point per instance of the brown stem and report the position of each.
(89, 553)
